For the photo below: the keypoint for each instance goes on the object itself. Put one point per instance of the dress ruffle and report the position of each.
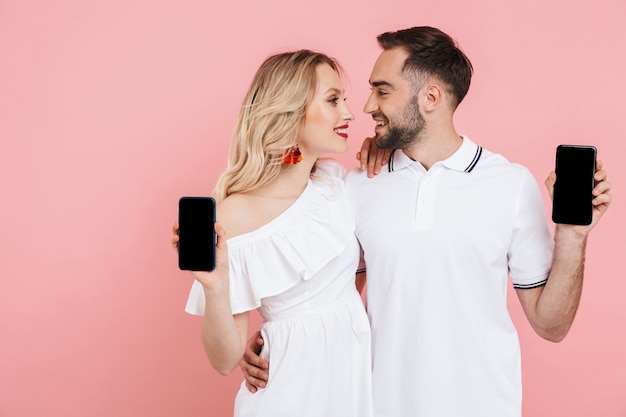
(294, 246)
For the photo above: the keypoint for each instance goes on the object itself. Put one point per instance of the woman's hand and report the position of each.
(175, 237)
(216, 280)
(372, 157)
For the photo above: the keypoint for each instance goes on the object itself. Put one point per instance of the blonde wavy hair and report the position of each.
(271, 119)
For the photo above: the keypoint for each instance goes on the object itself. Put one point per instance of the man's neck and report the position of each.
(434, 145)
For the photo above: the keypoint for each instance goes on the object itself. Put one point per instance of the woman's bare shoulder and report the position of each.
(237, 214)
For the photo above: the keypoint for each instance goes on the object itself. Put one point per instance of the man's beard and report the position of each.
(406, 128)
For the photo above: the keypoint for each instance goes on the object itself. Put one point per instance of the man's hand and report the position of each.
(254, 368)
(601, 197)
(372, 157)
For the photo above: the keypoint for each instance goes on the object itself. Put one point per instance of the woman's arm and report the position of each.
(223, 334)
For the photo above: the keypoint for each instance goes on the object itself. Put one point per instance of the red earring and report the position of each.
(292, 156)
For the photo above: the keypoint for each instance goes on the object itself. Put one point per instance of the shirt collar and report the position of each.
(464, 159)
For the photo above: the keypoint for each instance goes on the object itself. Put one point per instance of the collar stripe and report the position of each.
(470, 167)
(390, 162)
(479, 152)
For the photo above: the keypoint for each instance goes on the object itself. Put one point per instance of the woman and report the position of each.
(292, 253)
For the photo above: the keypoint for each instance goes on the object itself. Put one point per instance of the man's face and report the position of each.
(393, 102)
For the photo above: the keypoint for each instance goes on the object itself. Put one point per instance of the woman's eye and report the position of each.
(334, 100)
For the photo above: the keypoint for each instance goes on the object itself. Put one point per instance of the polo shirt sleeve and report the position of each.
(530, 251)
(361, 268)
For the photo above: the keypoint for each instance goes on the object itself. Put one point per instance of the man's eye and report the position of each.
(378, 91)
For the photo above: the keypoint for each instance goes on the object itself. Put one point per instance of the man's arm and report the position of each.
(254, 368)
(360, 281)
(551, 309)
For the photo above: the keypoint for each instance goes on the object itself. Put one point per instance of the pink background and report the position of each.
(110, 111)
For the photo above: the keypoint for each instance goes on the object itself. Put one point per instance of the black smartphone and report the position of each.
(575, 168)
(196, 231)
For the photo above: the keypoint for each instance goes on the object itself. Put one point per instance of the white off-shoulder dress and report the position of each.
(299, 271)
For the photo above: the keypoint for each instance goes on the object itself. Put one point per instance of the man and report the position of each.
(441, 230)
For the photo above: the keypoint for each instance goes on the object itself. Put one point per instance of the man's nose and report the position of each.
(370, 104)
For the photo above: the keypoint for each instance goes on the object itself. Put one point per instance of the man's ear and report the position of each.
(432, 97)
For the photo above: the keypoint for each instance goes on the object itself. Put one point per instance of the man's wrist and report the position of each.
(571, 233)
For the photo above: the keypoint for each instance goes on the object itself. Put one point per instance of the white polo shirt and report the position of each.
(438, 247)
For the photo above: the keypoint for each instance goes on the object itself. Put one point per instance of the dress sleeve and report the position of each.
(276, 257)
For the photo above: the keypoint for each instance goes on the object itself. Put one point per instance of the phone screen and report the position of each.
(575, 168)
(196, 245)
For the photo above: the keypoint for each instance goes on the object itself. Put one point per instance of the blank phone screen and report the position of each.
(196, 245)
(575, 168)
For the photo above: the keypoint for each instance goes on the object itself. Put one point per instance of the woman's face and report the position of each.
(327, 117)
